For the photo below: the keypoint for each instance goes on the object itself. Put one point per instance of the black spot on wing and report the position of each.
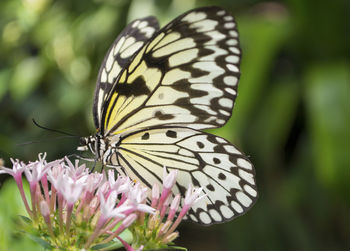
(106, 87)
(145, 136)
(171, 134)
(161, 116)
(210, 187)
(200, 145)
(216, 160)
(222, 176)
(137, 88)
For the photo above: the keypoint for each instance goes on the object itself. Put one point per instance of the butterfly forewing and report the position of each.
(186, 75)
(202, 159)
(155, 94)
(129, 41)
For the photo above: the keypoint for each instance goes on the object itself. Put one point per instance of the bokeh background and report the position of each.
(292, 115)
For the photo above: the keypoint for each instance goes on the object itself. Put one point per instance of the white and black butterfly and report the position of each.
(156, 91)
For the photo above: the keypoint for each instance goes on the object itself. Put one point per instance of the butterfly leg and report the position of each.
(86, 159)
(118, 169)
(94, 166)
(80, 157)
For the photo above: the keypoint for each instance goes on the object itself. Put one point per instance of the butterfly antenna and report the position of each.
(53, 130)
(44, 140)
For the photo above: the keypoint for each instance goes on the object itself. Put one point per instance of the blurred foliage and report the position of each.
(291, 116)
(11, 206)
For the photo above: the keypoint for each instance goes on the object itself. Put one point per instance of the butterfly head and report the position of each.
(95, 144)
(85, 143)
(92, 143)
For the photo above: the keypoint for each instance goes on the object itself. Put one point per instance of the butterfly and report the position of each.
(157, 89)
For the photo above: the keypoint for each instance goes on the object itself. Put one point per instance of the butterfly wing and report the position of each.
(226, 175)
(181, 80)
(129, 41)
(186, 75)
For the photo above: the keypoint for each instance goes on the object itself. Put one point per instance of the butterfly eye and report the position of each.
(83, 141)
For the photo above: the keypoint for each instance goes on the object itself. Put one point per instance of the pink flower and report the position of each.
(193, 195)
(16, 171)
(160, 230)
(169, 179)
(70, 189)
(109, 207)
(76, 172)
(34, 171)
(94, 180)
(122, 184)
(137, 196)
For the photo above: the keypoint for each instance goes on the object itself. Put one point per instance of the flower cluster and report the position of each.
(74, 209)
(157, 231)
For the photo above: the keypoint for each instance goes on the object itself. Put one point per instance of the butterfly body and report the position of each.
(104, 148)
(156, 90)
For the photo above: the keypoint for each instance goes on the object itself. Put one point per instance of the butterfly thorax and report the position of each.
(102, 147)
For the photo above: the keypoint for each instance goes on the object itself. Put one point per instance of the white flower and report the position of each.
(44, 208)
(103, 189)
(169, 179)
(76, 171)
(137, 196)
(109, 207)
(175, 203)
(122, 184)
(192, 195)
(94, 180)
(17, 168)
(155, 191)
(129, 220)
(69, 189)
(55, 174)
(34, 171)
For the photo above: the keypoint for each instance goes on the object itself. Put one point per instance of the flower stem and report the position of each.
(33, 187)
(69, 217)
(21, 191)
(45, 187)
(60, 211)
(97, 231)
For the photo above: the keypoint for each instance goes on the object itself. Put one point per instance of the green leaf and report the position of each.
(26, 77)
(4, 79)
(273, 122)
(177, 248)
(115, 244)
(26, 219)
(104, 246)
(328, 105)
(40, 241)
(11, 206)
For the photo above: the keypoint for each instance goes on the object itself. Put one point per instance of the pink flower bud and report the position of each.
(169, 179)
(192, 195)
(44, 208)
(129, 220)
(174, 206)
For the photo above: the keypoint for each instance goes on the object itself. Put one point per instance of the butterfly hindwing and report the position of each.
(186, 75)
(129, 41)
(202, 159)
(156, 90)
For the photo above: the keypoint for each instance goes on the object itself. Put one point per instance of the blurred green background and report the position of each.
(292, 115)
